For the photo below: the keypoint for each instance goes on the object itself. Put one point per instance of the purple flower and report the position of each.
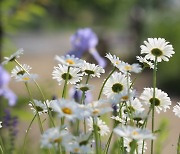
(76, 95)
(4, 90)
(86, 40)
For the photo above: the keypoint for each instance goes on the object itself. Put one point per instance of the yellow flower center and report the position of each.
(58, 140)
(117, 62)
(125, 98)
(76, 150)
(96, 111)
(67, 110)
(70, 61)
(128, 67)
(26, 78)
(135, 133)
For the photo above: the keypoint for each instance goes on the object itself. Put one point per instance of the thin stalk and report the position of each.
(64, 91)
(82, 101)
(178, 145)
(100, 93)
(2, 145)
(65, 83)
(96, 136)
(41, 92)
(28, 131)
(153, 104)
(128, 91)
(30, 95)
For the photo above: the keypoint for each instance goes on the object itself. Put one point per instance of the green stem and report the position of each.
(96, 136)
(41, 92)
(153, 104)
(178, 145)
(28, 131)
(65, 83)
(30, 95)
(128, 91)
(2, 145)
(100, 93)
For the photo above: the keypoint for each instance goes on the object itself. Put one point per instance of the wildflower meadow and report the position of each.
(120, 120)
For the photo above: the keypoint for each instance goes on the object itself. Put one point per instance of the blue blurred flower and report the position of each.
(76, 95)
(4, 90)
(86, 40)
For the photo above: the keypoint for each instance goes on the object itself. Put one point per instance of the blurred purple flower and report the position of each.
(4, 90)
(10, 123)
(86, 40)
(76, 95)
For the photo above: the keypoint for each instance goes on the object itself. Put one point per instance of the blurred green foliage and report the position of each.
(139, 19)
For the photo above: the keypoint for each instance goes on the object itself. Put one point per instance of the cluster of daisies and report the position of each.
(77, 125)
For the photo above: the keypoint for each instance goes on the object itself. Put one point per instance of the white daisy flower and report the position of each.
(80, 144)
(92, 70)
(20, 71)
(13, 56)
(139, 116)
(26, 77)
(84, 87)
(103, 129)
(145, 62)
(77, 148)
(69, 60)
(134, 133)
(0, 124)
(54, 136)
(115, 85)
(176, 109)
(125, 96)
(60, 73)
(99, 107)
(162, 101)
(84, 111)
(157, 47)
(118, 119)
(125, 67)
(128, 142)
(65, 108)
(38, 106)
(114, 59)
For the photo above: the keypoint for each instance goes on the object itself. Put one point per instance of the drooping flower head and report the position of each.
(92, 70)
(38, 107)
(145, 62)
(134, 133)
(157, 47)
(13, 56)
(99, 107)
(125, 67)
(0, 124)
(69, 60)
(18, 71)
(162, 101)
(103, 129)
(54, 136)
(176, 109)
(113, 59)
